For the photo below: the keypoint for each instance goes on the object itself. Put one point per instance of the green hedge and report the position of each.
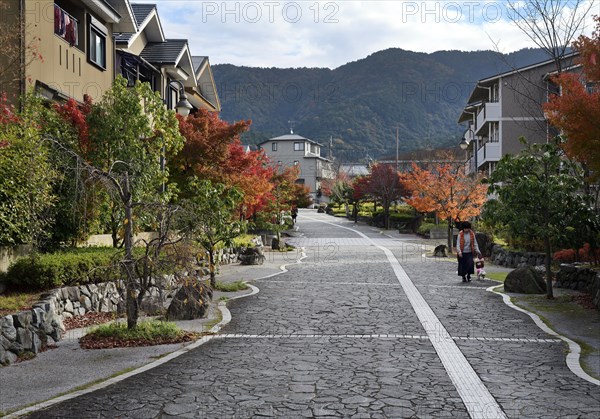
(425, 228)
(65, 268)
(396, 217)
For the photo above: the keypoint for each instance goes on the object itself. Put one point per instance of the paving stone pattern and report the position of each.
(336, 336)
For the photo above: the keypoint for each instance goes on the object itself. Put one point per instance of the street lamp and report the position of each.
(464, 144)
(183, 107)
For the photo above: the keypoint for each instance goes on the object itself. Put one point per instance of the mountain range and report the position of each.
(364, 104)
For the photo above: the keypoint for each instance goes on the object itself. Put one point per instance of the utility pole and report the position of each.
(397, 130)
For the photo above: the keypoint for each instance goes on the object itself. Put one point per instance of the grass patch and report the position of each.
(497, 276)
(560, 304)
(15, 302)
(209, 325)
(148, 329)
(147, 333)
(231, 286)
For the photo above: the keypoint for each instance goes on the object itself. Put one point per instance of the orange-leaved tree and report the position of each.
(576, 111)
(447, 190)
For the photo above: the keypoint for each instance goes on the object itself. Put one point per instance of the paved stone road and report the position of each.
(349, 332)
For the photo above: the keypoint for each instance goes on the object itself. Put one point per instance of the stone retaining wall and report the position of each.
(512, 259)
(580, 279)
(32, 330)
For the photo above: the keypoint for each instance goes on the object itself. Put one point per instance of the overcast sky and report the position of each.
(331, 33)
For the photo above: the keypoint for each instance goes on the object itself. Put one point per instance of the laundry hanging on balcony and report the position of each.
(66, 26)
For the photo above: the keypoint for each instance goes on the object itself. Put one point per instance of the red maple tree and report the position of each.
(576, 111)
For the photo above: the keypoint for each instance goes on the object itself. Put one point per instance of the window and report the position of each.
(274, 147)
(97, 43)
(591, 87)
(298, 146)
(495, 132)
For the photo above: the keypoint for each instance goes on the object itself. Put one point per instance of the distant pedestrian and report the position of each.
(294, 214)
(466, 247)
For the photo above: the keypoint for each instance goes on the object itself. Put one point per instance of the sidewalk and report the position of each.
(68, 368)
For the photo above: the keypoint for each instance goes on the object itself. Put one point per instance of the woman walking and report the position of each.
(466, 247)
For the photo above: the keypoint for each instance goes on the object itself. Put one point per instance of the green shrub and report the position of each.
(425, 228)
(65, 268)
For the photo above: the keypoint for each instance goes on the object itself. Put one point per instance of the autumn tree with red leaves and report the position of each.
(383, 184)
(576, 111)
(447, 190)
(249, 172)
(213, 151)
(206, 149)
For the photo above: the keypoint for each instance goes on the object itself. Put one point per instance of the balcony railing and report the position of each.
(490, 112)
(66, 26)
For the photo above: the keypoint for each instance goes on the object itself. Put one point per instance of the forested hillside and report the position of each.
(361, 103)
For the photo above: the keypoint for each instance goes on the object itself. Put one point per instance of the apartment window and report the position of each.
(495, 132)
(495, 93)
(97, 34)
(273, 146)
(298, 146)
(592, 87)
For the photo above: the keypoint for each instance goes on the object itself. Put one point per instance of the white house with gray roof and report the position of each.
(295, 150)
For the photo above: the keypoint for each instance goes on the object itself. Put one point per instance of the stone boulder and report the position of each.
(525, 280)
(252, 256)
(191, 301)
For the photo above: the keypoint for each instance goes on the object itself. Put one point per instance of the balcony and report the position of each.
(489, 152)
(490, 112)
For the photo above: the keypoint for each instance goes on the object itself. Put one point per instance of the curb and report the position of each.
(226, 314)
(573, 356)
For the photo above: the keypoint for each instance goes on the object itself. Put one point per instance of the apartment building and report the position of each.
(167, 64)
(295, 150)
(503, 108)
(74, 40)
(85, 44)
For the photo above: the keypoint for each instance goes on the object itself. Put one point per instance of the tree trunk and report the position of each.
(547, 245)
(450, 237)
(114, 230)
(131, 304)
(211, 268)
(386, 217)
